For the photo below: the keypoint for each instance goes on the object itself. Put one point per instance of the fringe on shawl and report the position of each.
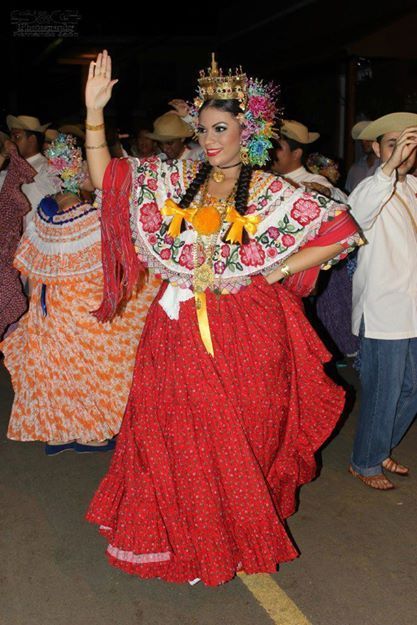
(123, 272)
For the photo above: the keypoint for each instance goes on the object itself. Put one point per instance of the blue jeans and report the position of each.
(388, 377)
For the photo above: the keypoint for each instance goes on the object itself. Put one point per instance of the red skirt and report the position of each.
(212, 450)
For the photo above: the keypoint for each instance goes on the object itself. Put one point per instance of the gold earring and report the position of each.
(244, 156)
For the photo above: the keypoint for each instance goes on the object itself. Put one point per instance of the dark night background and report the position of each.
(336, 62)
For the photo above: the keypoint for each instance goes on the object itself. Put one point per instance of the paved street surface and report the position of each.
(358, 564)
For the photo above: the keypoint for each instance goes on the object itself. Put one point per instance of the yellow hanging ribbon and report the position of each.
(171, 209)
(203, 322)
(238, 221)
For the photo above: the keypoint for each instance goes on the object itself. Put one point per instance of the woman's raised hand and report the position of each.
(99, 84)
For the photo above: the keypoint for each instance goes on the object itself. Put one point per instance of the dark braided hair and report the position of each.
(243, 185)
(192, 190)
(242, 196)
(242, 191)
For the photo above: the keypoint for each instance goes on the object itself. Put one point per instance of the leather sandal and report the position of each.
(378, 482)
(393, 466)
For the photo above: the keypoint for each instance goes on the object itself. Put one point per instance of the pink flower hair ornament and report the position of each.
(65, 159)
(258, 101)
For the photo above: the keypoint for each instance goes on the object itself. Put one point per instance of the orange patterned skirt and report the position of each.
(71, 374)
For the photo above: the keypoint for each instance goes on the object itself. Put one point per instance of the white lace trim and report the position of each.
(60, 246)
(135, 558)
(59, 273)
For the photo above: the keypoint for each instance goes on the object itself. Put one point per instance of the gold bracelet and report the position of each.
(95, 147)
(90, 127)
(286, 271)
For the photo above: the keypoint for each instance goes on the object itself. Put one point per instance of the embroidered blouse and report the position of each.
(289, 218)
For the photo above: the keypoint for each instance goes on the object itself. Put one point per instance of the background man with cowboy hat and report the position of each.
(366, 164)
(142, 146)
(28, 135)
(171, 132)
(50, 135)
(289, 154)
(76, 130)
(385, 298)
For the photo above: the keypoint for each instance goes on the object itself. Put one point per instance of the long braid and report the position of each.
(242, 197)
(192, 190)
(242, 191)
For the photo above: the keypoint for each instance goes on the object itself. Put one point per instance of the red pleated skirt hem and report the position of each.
(212, 451)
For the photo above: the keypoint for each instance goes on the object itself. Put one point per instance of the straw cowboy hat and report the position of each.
(358, 127)
(394, 122)
(73, 129)
(25, 122)
(51, 134)
(169, 127)
(297, 132)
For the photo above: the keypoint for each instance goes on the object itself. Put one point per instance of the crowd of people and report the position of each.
(152, 302)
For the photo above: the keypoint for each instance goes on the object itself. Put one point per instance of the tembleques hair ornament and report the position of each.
(324, 166)
(257, 100)
(65, 158)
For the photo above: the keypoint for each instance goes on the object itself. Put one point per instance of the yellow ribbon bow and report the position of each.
(171, 209)
(238, 221)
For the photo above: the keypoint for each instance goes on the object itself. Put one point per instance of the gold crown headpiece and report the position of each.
(216, 86)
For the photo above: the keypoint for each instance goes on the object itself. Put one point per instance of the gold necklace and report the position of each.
(218, 175)
(203, 277)
(207, 216)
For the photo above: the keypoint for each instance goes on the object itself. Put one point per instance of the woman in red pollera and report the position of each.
(229, 400)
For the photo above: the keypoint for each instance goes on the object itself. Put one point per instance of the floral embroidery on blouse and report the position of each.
(289, 218)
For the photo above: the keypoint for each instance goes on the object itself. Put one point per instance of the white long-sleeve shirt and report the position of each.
(385, 281)
(46, 182)
(193, 153)
(302, 175)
